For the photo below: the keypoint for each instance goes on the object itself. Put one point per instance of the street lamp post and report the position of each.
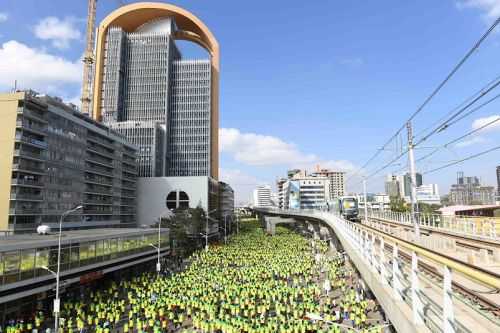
(57, 301)
(225, 234)
(158, 247)
(206, 229)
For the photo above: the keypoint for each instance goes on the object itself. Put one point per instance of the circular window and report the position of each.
(177, 199)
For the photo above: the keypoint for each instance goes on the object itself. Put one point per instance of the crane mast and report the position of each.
(88, 58)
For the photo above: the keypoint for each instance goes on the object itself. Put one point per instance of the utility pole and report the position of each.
(88, 58)
(413, 182)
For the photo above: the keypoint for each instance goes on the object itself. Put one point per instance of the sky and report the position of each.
(305, 83)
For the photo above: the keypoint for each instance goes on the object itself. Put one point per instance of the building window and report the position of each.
(172, 200)
(177, 200)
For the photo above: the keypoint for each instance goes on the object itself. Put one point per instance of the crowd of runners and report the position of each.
(256, 284)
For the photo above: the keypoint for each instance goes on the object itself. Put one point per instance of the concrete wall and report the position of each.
(152, 194)
(8, 114)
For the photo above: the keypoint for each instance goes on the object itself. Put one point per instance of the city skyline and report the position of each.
(259, 139)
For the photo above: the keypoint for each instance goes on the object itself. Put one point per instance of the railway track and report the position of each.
(464, 241)
(475, 298)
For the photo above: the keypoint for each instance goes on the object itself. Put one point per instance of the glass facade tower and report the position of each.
(158, 101)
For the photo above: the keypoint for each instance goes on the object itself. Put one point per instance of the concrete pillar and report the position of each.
(417, 304)
(448, 313)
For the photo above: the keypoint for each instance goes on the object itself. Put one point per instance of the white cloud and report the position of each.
(480, 122)
(3, 17)
(242, 184)
(470, 142)
(265, 150)
(260, 150)
(59, 32)
(36, 69)
(490, 8)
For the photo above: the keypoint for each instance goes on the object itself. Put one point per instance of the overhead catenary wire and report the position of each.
(432, 95)
(462, 160)
(467, 100)
(444, 125)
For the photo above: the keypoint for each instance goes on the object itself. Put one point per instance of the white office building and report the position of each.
(262, 196)
(306, 192)
(428, 194)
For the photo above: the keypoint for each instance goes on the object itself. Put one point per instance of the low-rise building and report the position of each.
(55, 158)
(306, 192)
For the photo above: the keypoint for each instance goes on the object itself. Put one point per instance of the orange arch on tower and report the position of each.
(129, 18)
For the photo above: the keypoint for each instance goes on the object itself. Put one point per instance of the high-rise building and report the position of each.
(165, 105)
(262, 196)
(336, 181)
(166, 112)
(469, 191)
(407, 183)
(392, 186)
(53, 159)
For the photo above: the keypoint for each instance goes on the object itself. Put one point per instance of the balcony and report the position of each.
(25, 211)
(128, 186)
(31, 141)
(26, 197)
(99, 202)
(127, 194)
(29, 154)
(26, 182)
(101, 142)
(99, 150)
(98, 181)
(129, 161)
(99, 160)
(98, 191)
(129, 169)
(97, 212)
(98, 170)
(28, 167)
(128, 177)
(30, 114)
(32, 127)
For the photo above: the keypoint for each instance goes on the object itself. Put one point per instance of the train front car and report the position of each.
(349, 208)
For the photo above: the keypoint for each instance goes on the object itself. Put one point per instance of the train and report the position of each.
(347, 207)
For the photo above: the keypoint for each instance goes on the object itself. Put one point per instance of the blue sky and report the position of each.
(302, 82)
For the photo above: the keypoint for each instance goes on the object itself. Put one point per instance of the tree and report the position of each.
(185, 227)
(427, 209)
(398, 205)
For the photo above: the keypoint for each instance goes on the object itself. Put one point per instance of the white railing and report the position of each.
(472, 226)
(400, 265)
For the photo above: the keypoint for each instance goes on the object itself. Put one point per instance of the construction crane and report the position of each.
(88, 58)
